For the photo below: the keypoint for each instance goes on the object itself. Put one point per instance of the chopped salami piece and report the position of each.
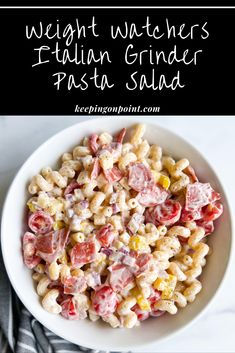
(180, 198)
(73, 185)
(140, 177)
(212, 211)
(40, 222)
(152, 197)
(142, 264)
(157, 313)
(120, 136)
(73, 285)
(120, 277)
(182, 240)
(142, 261)
(71, 311)
(106, 235)
(188, 216)
(50, 246)
(49, 258)
(92, 143)
(166, 213)
(45, 243)
(62, 237)
(95, 169)
(141, 314)
(104, 301)
(29, 250)
(199, 195)
(56, 285)
(190, 172)
(53, 241)
(148, 216)
(208, 226)
(113, 174)
(61, 297)
(83, 253)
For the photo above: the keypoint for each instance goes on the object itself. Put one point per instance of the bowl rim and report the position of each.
(132, 346)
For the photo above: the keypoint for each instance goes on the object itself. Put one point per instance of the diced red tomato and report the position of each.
(212, 211)
(40, 222)
(71, 311)
(92, 143)
(106, 235)
(29, 250)
(166, 213)
(113, 174)
(73, 185)
(140, 177)
(83, 253)
(104, 301)
(120, 277)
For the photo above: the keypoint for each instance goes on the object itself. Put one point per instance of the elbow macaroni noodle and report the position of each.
(116, 233)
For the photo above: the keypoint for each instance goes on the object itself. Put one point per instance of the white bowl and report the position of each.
(98, 335)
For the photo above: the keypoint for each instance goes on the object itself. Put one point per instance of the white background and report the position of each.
(212, 136)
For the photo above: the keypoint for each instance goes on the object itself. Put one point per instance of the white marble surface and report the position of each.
(215, 138)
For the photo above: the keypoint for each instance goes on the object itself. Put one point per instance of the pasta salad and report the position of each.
(119, 231)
